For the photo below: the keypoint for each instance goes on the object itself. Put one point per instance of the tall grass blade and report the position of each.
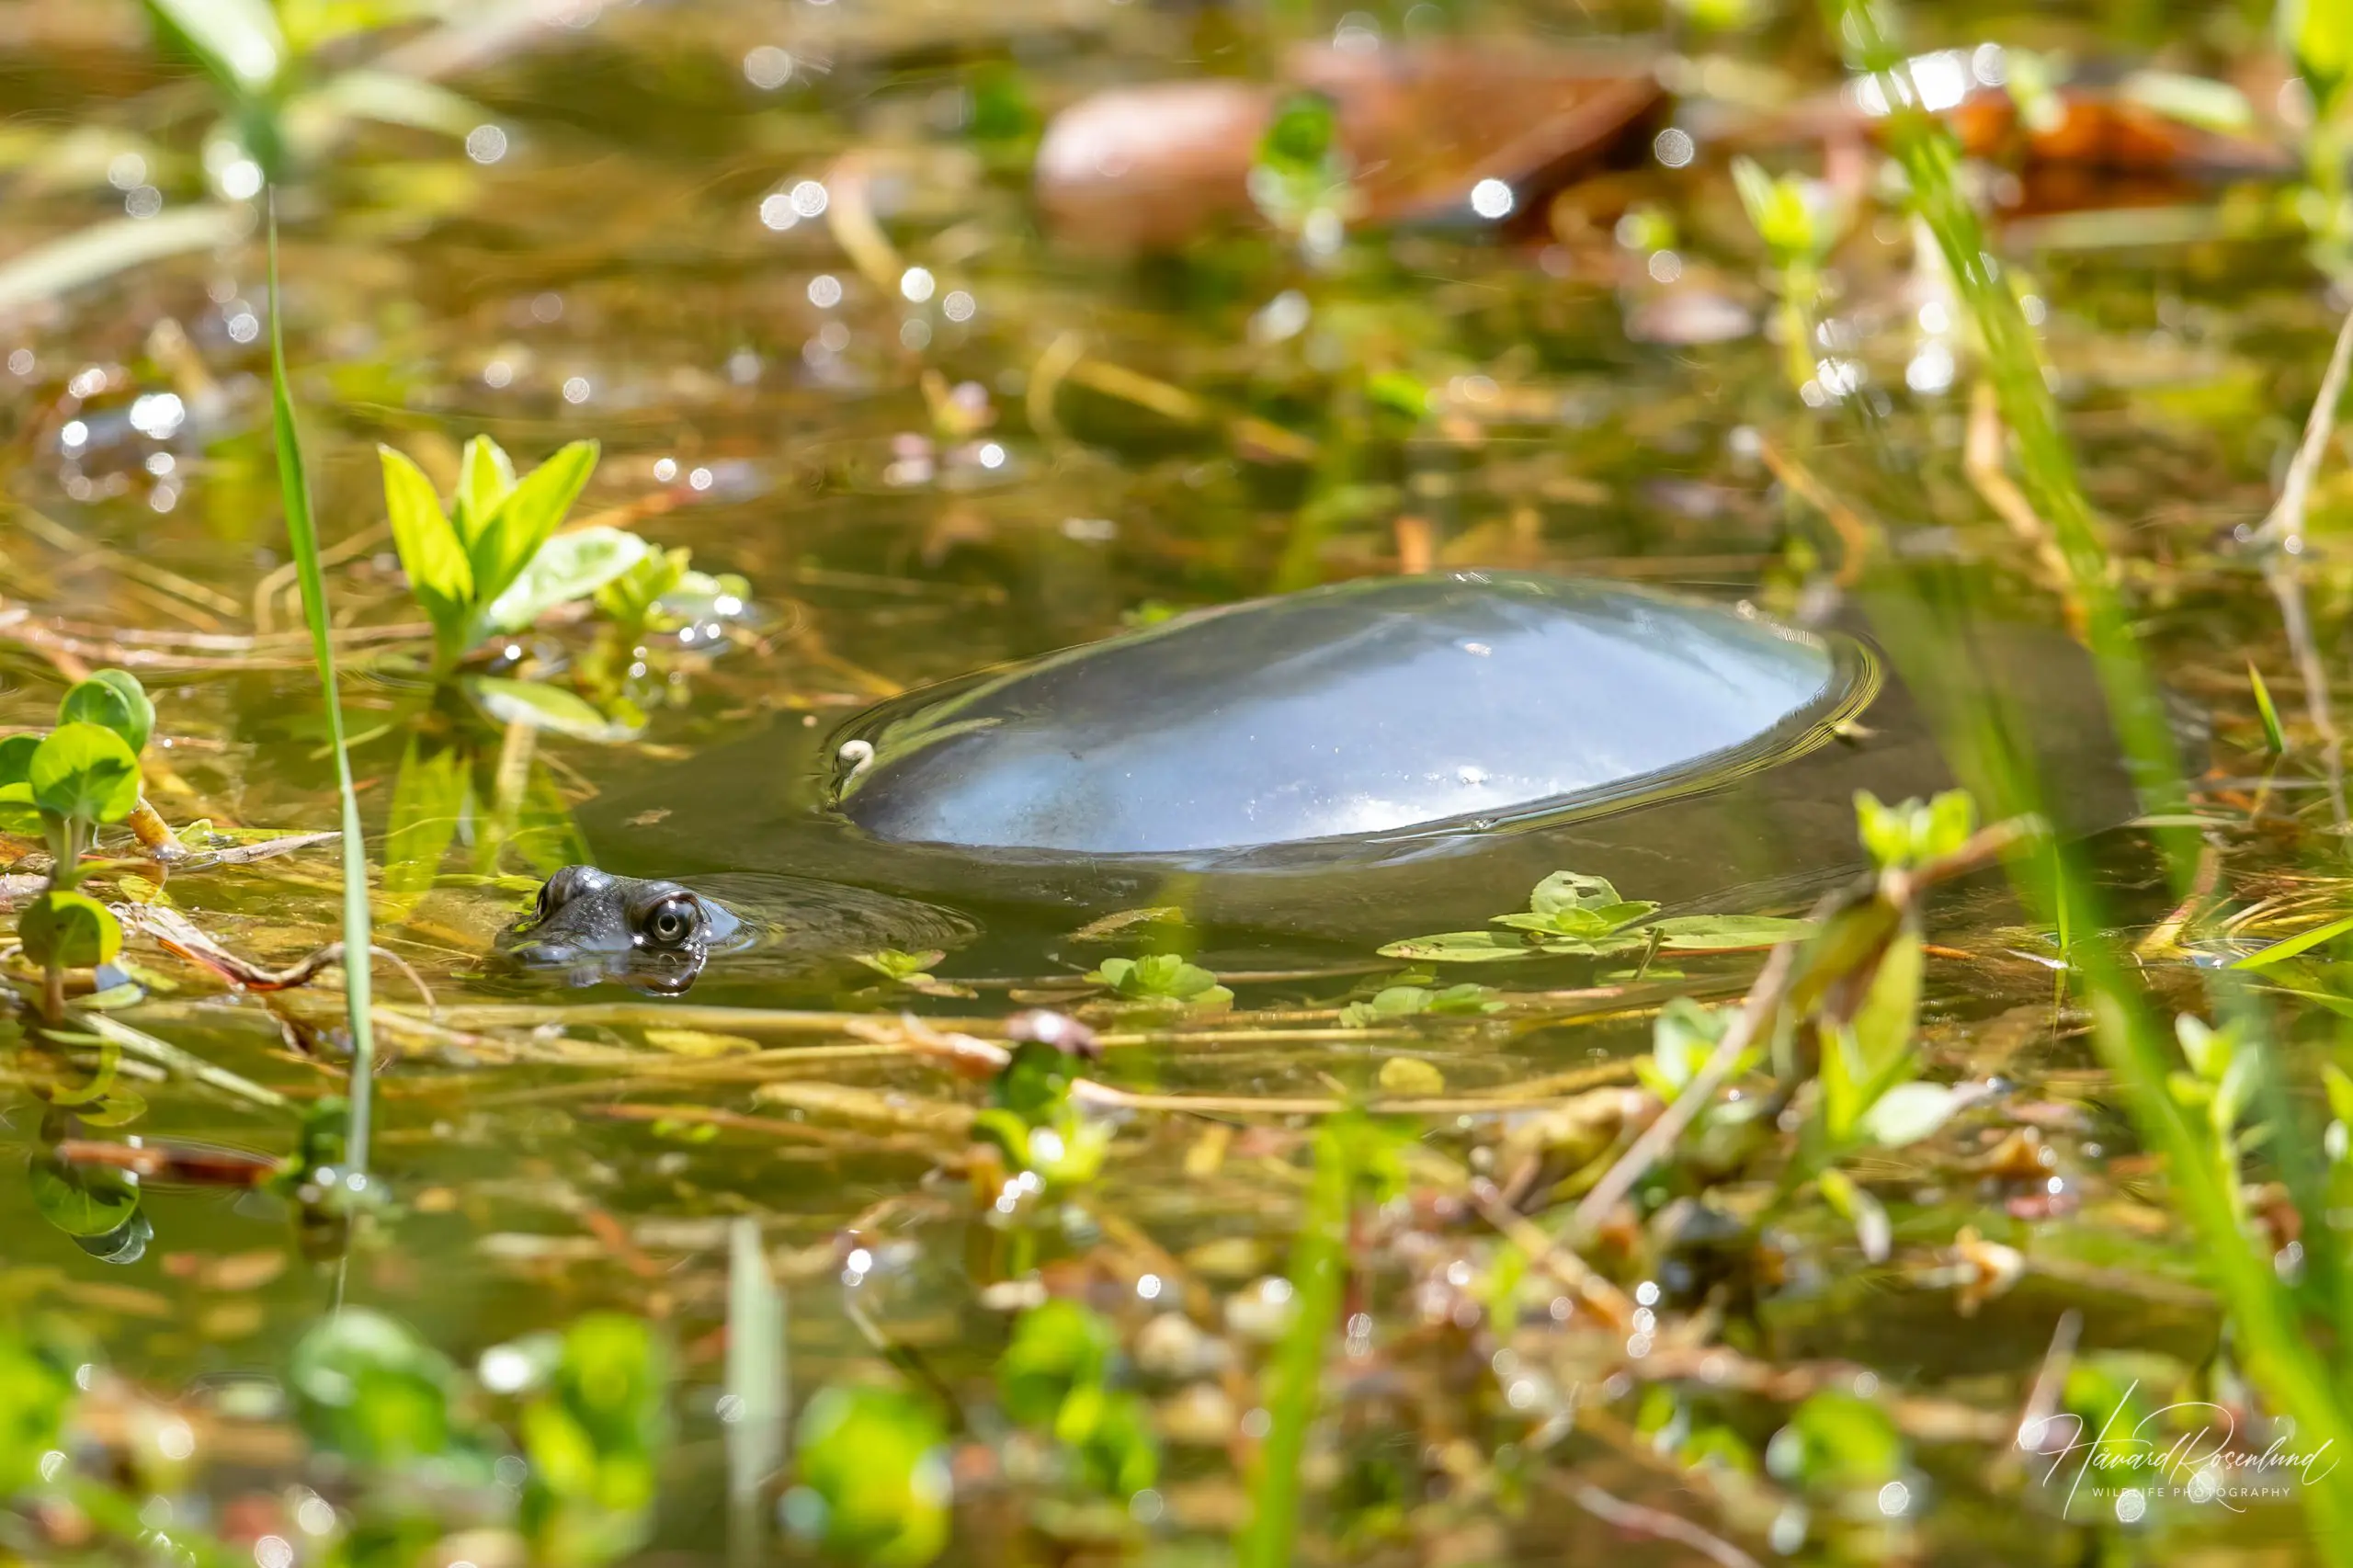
(758, 1391)
(1318, 1265)
(303, 535)
(2274, 737)
(2268, 1313)
(2301, 942)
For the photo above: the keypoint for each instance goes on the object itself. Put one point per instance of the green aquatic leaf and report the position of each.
(1683, 1037)
(69, 930)
(1909, 1112)
(84, 1203)
(113, 700)
(390, 97)
(1300, 140)
(485, 477)
(569, 567)
(1034, 1087)
(17, 812)
(1837, 1442)
(1299, 169)
(1002, 107)
(430, 795)
(1111, 1432)
(1581, 908)
(629, 601)
(874, 1485)
(35, 1394)
(596, 1438)
(1464, 947)
(515, 539)
(2319, 33)
(39, 274)
(1859, 1209)
(238, 40)
(1726, 933)
(1395, 1001)
(1582, 924)
(2201, 101)
(440, 578)
(544, 707)
(1865, 1055)
(892, 964)
(2210, 1050)
(366, 1388)
(86, 773)
(17, 758)
(1161, 977)
(1058, 1346)
(1565, 890)
(1797, 218)
(1914, 832)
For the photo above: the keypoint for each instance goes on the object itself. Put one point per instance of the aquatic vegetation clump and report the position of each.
(1160, 980)
(82, 776)
(493, 562)
(1572, 915)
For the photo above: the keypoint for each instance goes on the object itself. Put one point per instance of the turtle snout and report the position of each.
(542, 953)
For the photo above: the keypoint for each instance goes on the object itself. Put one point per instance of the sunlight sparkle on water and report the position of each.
(767, 67)
(158, 415)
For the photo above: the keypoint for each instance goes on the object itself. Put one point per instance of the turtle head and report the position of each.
(641, 932)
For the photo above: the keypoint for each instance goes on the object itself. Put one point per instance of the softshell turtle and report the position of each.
(1358, 762)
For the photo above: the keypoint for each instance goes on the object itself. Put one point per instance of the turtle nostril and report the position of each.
(544, 955)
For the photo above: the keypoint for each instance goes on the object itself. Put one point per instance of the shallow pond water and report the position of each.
(780, 260)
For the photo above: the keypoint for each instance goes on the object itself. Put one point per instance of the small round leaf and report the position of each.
(115, 700)
(17, 758)
(84, 771)
(18, 812)
(71, 930)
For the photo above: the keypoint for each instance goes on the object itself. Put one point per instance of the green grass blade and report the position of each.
(1318, 1267)
(758, 1383)
(2271, 1334)
(2302, 941)
(2273, 735)
(303, 535)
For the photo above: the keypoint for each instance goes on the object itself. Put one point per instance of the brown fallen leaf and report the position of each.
(2105, 127)
(1153, 166)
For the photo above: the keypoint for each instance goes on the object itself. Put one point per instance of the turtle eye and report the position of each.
(671, 921)
(547, 899)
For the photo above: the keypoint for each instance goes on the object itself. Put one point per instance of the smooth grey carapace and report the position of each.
(1370, 710)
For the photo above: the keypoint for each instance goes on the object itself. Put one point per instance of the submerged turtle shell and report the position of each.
(1383, 709)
